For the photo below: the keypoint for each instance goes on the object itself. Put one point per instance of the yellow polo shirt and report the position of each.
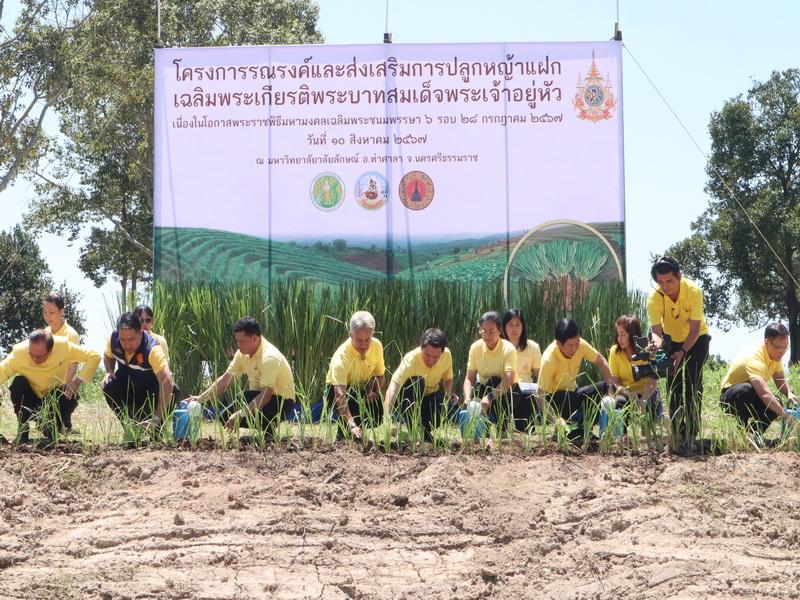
(412, 365)
(267, 368)
(52, 372)
(528, 360)
(161, 342)
(348, 368)
(492, 363)
(559, 373)
(157, 360)
(621, 366)
(753, 362)
(674, 317)
(66, 331)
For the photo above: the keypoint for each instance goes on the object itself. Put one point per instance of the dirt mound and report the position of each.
(344, 524)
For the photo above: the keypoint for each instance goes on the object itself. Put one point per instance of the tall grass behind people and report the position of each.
(675, 308)
(745, 393)
(527, 405)
(562, 363)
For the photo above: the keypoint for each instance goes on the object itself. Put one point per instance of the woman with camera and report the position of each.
(621, 361)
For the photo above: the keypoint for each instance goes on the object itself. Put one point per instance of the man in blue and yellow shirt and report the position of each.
(138, 384)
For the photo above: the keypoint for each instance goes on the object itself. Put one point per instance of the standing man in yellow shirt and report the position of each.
(562, 362)
(41, 363)
(138, 382)
(356, 376)
(675, 309)
(745, 392)
(419, 380)
(271, 396)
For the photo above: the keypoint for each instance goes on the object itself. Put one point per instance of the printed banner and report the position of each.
(436, 161)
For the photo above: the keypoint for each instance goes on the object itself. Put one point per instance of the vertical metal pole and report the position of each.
(387, 37)
(158, 21)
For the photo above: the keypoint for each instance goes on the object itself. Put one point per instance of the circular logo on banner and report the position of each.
(327, 191)
(416, 190)
(371, 190)
(594, 96)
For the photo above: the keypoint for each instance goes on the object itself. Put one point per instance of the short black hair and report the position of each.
(248, 326)
(492, 316)
(129, 320)
(143, 309)
(433, 337)
(775, 330)
(566, 329)
(55, 298)
(37, 336)
(515, 313)
(664, 265)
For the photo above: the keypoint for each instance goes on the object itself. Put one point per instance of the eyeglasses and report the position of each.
(489, 332)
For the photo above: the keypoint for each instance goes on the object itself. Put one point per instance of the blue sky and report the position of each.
(699, 53)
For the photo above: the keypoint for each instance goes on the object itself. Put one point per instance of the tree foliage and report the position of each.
(103, 176)
(24, 281)
(754, 173)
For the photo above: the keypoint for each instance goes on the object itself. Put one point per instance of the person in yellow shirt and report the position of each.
(53, 308)
(527, 411)
(357, 374)
(145, 314)
(271, 396)
(424, 380)
(40, 364)
(138, 382)
(562, 362)
(621, 362)
(675, 308)
(494, 360)
(745, 392)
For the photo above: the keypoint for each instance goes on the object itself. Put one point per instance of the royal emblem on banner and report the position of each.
(372, 191)
(594, 100)
(327, 191)
(416, 190)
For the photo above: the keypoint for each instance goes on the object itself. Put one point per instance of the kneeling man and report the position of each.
(745, 390)
(41, 364)
(138, 384)
(271, 396)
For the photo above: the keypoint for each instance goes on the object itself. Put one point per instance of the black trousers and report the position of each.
(579, 406)
(372, 413)
(132, 402)
(27, 404)
(514, 403)
(742, 402)
(685, 391)
(267, 419)
(414, 404)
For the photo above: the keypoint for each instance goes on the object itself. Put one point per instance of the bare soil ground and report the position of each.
(157, 523)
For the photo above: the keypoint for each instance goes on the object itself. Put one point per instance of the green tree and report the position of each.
(103, 176)
(31, 66)
(754, 165)
(24, 281)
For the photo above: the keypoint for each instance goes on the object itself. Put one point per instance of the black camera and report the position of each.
(659, 362)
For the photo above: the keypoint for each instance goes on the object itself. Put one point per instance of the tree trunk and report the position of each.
(794, 328)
